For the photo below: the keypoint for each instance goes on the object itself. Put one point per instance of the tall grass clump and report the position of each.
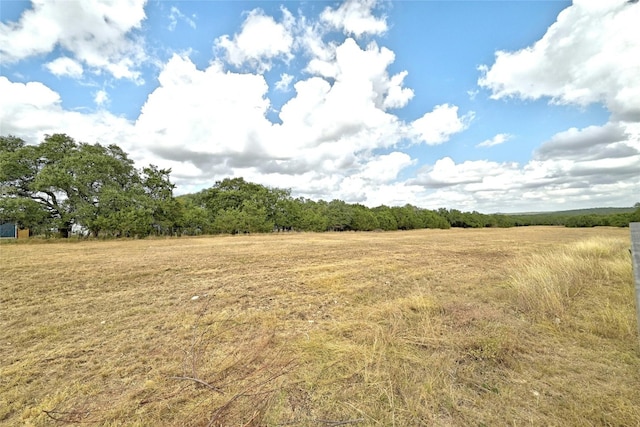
(576, 279)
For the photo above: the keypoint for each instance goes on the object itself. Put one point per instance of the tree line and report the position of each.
(61, 186)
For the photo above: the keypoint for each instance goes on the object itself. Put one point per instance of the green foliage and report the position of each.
(288, 214)
(431, 219)
(26, 213)
(460, 219)
(339, 215)
(61, 183)
(364, 219)
(407, 217)
(618, 218)
(386, 218)
(234, 205)
(313, 216)
(195, 219)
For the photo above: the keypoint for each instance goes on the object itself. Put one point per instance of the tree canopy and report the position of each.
(61, 183)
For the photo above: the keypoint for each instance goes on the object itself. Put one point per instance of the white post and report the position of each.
(635, 254)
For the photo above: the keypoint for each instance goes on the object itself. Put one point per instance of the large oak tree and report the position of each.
(59, 183)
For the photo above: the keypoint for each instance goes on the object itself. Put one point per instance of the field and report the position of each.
(484, 327)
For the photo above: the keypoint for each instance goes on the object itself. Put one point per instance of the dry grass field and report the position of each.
(515, 327)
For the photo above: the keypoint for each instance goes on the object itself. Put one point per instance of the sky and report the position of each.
(492, 106)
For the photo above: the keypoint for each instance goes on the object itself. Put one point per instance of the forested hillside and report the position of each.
(60, 187)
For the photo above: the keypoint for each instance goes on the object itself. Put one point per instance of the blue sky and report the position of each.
(495, 106)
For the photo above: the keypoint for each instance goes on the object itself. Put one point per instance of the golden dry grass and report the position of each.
(526, 326)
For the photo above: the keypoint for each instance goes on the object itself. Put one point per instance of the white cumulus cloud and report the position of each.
(32, 110)
(64, 66)
(209, 111)
(96, 33)
(437, 126)
(354, 17)
(565, 169)
(589, 55)
(385, 168)
(101, 98)
(260, 40)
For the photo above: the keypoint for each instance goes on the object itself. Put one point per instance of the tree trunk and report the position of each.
(65, 230)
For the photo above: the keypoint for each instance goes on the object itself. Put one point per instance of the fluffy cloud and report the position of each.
(593, 142)
(567, 168)
(64, 66)
(354, 17)
(351, 65)
(598, 154)
(438, 125)
(351, 110)
(101, 98)
(94, 33)
(373, 184)
(385, 168)
(284, 83)
(500, 138)
(260, 40)
(32, 110)
(216, 120)
(18, 98)
(208, 111)
(221, 115)
(588, 55)
(445, 173)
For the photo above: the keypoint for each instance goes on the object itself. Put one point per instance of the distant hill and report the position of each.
(575, 212)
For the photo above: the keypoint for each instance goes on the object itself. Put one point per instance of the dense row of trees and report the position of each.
(237, 206)
(63, 186)
(620, 219)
